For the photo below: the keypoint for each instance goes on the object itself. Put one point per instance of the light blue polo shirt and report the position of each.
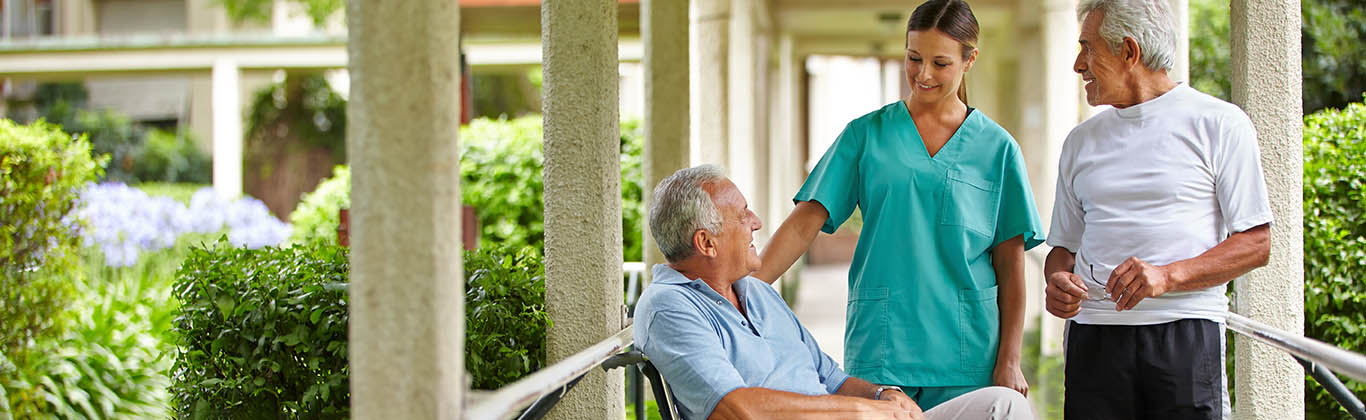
(922, 288)
(705, 349)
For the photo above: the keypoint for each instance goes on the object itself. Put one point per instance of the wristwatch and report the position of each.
(877, 395)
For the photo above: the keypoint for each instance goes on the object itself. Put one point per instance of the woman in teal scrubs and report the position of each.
(936, 286)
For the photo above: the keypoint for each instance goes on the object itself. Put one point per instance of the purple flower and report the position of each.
(125, 222)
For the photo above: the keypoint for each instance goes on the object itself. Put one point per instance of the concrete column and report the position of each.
(709, 37)
(1061, 88)
(227, 129)
(76, 17)
(582, 195)
(785, 170)
(664, 33)
(1181, 72)
(745, 163)
(1265, 39)
(407, 304)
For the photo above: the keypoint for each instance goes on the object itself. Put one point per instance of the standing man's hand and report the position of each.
(1010, 376)
(1135, 280)
(1064, 294)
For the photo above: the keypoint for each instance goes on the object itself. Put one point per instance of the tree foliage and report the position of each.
(260, 10)
(42, 169)
(1331, 32)
(1335, 239)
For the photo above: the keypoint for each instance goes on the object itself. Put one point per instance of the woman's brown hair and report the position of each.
(955, 19)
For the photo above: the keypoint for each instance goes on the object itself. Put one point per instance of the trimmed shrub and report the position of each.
(1335, 240)
(316, 217)
(41, 172)
(505, 317)
(262, 333)
(500, 169)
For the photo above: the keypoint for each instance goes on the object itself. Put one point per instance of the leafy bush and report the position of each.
(505, 317)
(632, 194)
(169, 157)
(139, 154)
(41, 170)
(263, 333)
(112, 362)
(316, 217)
(500, 169)
(500, 166)
(1335, 239)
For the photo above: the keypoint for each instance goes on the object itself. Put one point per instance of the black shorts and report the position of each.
(1171, 371)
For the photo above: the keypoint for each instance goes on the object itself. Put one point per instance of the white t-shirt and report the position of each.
(1164, 180)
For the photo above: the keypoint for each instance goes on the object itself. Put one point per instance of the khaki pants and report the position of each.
(990, 403)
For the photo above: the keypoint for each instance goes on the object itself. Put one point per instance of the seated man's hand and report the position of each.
(890, 408)
(903, 402)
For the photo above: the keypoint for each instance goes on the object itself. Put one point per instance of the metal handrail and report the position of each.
(506, 401)
(1338, 360)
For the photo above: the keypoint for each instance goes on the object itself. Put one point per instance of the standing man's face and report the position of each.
(1102, 69)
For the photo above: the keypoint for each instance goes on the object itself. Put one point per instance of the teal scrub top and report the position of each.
(922, 290)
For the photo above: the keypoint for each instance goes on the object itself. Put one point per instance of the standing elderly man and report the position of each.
(727, 342)
(1160, 202)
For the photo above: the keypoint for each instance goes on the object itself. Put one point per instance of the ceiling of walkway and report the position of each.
(850, 27)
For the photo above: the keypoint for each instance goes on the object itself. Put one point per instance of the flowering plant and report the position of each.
(125, 222)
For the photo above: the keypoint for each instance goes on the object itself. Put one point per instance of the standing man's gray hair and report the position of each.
(680, 207)
(1149, 22)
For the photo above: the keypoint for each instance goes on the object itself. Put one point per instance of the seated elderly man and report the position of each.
(727, 342)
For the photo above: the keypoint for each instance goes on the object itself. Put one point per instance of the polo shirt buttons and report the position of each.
(720, 302)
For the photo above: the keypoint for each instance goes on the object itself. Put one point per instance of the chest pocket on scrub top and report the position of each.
(970, 201)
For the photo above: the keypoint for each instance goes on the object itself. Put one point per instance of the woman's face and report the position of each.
(935, 65)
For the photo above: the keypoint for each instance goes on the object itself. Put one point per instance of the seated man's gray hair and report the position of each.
(1149, 22)
(680, 207)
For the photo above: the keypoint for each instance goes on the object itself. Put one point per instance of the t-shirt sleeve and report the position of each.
(1017, 215)
(835, 181)
(1068, 216)
(689, 354)
(1238, 181)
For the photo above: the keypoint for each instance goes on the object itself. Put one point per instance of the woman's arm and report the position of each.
(791, 240)
(1008, 260)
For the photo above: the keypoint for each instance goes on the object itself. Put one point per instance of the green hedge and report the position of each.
(1335, 239)
(315, 220)
(500, 170)
(263, 333)
(505, 317)
(41, 171)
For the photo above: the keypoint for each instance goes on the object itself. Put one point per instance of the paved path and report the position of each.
(821, 302)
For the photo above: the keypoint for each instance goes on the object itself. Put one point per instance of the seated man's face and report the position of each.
(736, 253)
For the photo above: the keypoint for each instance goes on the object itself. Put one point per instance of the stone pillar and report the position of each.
(745, 163)
(785, 171)
(1265, 39)
(76, 17)
(582, 195)
(1181, 72)
(1061, 88)
(227, 129)
(664, 33)
(407, 304)
(709, 37)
